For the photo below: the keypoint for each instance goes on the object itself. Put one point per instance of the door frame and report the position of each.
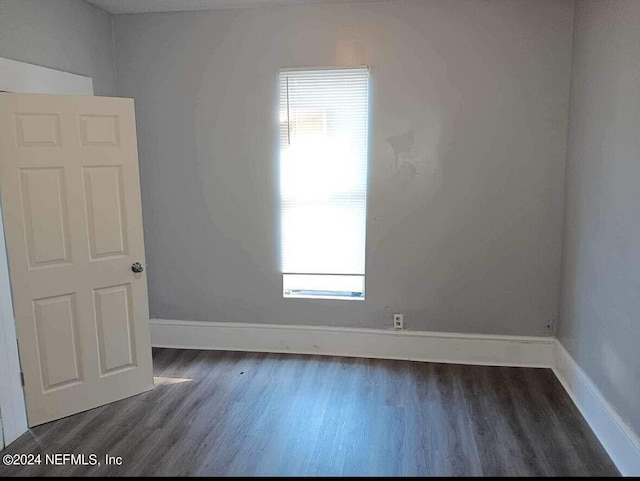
(20, 77)
(12, 405)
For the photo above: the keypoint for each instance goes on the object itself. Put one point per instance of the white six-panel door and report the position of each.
(73, 225)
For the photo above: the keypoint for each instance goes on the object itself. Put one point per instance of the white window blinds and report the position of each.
(323, 174)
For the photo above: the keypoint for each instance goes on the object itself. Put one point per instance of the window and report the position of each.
(323, 181)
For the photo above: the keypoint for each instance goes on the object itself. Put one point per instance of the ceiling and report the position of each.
(146, 6)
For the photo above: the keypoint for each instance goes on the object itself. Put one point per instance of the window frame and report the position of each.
(326, 294)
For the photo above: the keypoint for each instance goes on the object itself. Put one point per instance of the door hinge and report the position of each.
(22, 378)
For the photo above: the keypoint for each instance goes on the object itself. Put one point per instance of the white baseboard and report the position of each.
(622, 445)
(356, 342)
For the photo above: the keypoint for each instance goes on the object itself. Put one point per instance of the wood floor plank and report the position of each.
(254, 414)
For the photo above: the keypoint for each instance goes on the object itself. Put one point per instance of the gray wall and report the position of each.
(466, 236)
(69, 35)
(600, 314)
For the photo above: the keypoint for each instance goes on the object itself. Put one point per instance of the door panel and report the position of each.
(100, 130)
(116, 331)
(38, 129)
(73, 225)
(57, 333)
(44, 209)
(105, 211)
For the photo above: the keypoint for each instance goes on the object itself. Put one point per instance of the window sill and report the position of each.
(335, 298)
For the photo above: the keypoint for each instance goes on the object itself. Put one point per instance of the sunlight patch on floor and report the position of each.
(160, 380)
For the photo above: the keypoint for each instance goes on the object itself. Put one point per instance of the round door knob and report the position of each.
(137, 267)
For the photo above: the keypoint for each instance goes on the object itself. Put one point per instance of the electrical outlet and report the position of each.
(398, 322)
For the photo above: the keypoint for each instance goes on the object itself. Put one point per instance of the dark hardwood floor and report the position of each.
(228, 413)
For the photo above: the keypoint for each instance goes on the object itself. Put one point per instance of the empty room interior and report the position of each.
(320, 238)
